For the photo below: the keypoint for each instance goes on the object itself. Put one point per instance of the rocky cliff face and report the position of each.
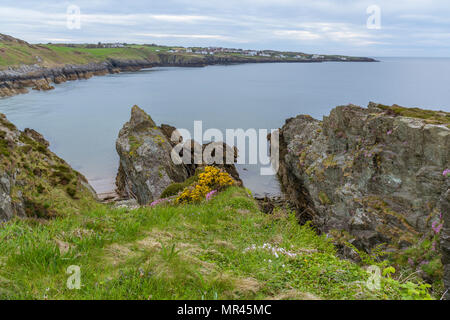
(17, 80)
(146, 167)
(34, 182)
(371, 173)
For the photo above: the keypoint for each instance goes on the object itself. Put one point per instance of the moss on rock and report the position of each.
(36, 182)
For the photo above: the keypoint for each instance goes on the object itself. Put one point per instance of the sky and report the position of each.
(376, 28)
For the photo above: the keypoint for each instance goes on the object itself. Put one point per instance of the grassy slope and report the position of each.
(190, 252)
(45, 183)
(13, 54)
(430, 116)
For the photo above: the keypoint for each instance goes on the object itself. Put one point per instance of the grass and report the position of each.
(179, 252)
(15, 53)
(430, 116)
(50, 55)
(43, 182)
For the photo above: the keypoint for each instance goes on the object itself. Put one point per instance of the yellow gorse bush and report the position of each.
(210, 179)
(214, 177)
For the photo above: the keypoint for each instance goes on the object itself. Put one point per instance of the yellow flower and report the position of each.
(210, 179)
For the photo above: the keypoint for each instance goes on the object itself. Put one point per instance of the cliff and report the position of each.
(34, 182)
(18, 79)
(370, 176)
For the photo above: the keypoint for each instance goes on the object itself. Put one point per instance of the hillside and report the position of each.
(15, 52)
(224, 248)
(195, 244)
(34, 182)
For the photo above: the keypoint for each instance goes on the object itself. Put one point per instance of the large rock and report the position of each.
(34, 182)
(146, 166)
(369, 173)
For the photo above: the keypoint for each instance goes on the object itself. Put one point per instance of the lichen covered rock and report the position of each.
(369, 172)
(146, 166)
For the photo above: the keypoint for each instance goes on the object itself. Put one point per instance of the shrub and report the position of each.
(173, 189)
(211, 179)
(177, 187)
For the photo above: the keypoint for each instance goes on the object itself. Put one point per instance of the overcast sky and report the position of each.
(407, 27)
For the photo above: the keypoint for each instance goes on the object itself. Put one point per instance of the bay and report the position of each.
(81, 119)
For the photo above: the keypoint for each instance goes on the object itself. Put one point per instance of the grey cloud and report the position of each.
(409, 27)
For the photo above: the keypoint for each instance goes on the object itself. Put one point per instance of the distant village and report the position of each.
(250, 53)
(216, 50)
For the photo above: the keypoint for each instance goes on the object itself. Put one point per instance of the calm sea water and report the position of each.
(81, 119)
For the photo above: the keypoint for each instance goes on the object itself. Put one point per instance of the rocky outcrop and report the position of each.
(34, 182)
(369, 173)
(146, 166)
(16, 80)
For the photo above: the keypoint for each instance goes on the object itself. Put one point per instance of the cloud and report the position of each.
(191, 36)
(323, 26)
(297, 34)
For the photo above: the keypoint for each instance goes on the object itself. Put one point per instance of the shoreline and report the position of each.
(18, 80)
